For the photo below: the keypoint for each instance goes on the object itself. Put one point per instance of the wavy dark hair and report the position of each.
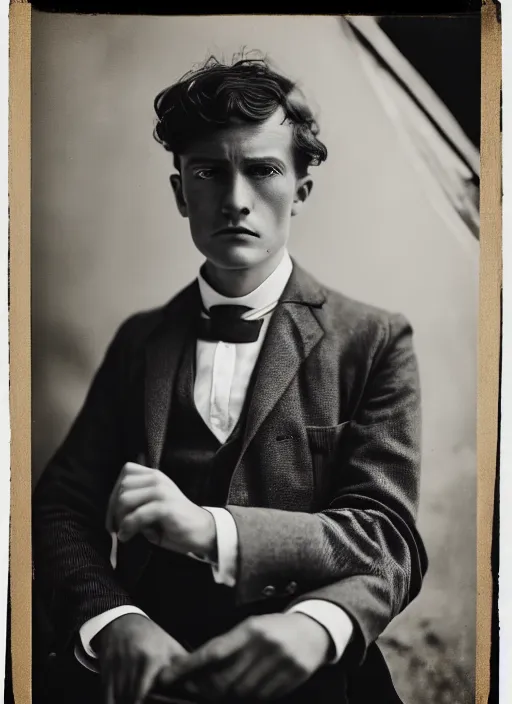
(211, 97)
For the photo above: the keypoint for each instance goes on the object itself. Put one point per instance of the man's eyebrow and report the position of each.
(201, 160)
(264, 159)
(198, 160)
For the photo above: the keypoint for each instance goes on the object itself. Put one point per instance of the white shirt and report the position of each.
(223, 371)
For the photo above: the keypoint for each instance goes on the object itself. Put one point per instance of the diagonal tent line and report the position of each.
(450, 169)
(387, 54)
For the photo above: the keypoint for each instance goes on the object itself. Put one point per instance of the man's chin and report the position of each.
(238, 257)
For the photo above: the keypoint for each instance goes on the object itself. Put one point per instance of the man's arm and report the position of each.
(363, 552)
(330, 616)
(223, 569)
(95, 625)
(71, 546)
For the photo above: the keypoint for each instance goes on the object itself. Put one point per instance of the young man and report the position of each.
(233, 511)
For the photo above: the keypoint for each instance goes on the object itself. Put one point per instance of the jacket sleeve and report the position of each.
(363, 551)
(71, 546)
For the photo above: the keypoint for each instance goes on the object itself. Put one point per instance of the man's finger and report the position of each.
(136, 521)
(236, 658)
(179, 670)
(145, 684)
(130, 500)
(212, 653)
(136, 468)
(173, 672)
(135, 481)
(108, 692)
(107, 680)
(107, 685)
(125, 484)
(276, 686)
(224, 678)
(258, 677)
(124, 680)
(129, 469)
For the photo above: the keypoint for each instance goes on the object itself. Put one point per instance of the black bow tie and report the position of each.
(226, 323)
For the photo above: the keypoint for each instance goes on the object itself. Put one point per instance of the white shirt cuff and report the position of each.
(90, 663)
(83, 650)
(224, 570)
(332, 617)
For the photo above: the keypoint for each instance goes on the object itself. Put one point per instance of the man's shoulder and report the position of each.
(338, 303)
(339, 308)
(361, 327)
(342, 311)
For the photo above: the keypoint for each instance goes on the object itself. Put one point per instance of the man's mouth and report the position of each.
(236, 231)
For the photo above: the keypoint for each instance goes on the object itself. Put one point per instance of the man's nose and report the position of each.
(237, 198)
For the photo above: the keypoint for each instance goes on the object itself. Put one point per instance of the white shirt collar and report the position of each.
(267, 293)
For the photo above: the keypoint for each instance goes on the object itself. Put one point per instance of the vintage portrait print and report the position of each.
(255, 260)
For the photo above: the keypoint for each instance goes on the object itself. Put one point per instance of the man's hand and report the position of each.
(147, 501)
(132, 650)
(264, 657)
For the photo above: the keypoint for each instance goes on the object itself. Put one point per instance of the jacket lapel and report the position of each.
(293, 333)
(163, 355)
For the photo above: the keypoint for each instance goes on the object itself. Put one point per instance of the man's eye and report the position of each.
(205, 174)
(263, 171)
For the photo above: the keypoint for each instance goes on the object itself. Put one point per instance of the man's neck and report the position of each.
(234, 283)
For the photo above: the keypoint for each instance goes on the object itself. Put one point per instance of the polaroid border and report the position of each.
(489, 338)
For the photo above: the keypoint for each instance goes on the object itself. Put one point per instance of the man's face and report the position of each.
(239, 188)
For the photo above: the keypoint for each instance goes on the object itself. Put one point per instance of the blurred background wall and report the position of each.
(107, 241)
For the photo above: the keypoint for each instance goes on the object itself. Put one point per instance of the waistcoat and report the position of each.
(177, 591)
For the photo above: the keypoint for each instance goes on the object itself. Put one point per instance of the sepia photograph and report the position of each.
(255, 247)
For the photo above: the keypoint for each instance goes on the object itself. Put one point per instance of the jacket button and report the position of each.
(269, 591)
(291, 588)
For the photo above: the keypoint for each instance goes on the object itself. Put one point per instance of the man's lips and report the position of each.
(235, 231)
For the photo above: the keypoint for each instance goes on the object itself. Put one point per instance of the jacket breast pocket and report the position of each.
(325, 444)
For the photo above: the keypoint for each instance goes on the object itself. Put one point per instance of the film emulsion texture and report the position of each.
(392, 221)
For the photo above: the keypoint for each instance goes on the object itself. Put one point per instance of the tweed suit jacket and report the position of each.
(324, 493)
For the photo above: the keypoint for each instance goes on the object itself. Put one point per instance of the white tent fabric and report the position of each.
(445, 158)
(383, 224)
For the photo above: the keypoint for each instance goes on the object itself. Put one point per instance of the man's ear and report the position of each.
(177, 188)
(302, 191)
